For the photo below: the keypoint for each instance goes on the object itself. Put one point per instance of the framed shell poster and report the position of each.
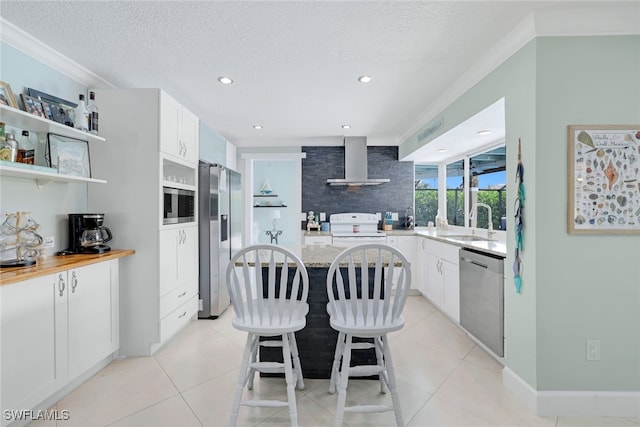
(604, 179)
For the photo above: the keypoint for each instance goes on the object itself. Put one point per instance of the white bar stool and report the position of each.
(267, 304)
(366, 307)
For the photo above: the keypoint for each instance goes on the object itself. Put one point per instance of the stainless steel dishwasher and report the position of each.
(482, 298)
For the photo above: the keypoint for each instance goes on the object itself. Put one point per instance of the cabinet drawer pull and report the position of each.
(61, 285)
(74, 282)
(182, 315)
(182, 294)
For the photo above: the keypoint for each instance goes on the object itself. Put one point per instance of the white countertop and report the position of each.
(496, 246)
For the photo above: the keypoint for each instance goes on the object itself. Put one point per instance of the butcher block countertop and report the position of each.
(55, 264)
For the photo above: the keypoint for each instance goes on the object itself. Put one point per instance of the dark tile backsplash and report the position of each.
(322, 163)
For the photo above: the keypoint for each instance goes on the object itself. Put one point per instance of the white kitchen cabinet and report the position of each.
(54, 329)
(27, 343)
(318, 240)
(143, 155)
(92, 315)
(443, 278)
(179, 129)
(407, 245)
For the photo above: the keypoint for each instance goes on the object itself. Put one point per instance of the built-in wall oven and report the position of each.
(178, 205)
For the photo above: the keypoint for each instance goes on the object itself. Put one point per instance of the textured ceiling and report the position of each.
(295, 64)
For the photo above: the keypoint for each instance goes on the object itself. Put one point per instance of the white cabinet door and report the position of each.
(170, 117)
(317, 240)
(407, 245)
(188, 257)
(443, 277)
(434, 279)
(179, 129)
(189, 131)
(178, 259)
(168, 260)
(90, 315)
(421, 266)
(27, 343)
(451, 289)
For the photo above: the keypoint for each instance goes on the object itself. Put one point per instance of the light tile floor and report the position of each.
(444, 379)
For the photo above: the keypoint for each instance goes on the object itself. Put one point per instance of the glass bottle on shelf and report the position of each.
(12, 145)
(81, 115)
(26, 150)
(92, 109)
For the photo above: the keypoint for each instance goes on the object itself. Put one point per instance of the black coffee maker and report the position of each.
(87, 235)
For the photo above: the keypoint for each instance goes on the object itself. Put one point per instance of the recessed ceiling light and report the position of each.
(442, 150)
(225, 80)
(364, 79)
(257, 126)
(346, 126)
(485, 132)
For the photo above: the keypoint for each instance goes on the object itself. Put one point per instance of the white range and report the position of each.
(350, 229)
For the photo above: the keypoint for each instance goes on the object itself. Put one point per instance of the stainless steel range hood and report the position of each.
(355, 164)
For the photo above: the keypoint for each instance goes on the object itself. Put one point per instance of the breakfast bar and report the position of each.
(317, 341)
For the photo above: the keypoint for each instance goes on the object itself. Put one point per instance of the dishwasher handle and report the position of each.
(474, 262)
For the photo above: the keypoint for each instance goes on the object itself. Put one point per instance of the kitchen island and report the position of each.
(317, 341)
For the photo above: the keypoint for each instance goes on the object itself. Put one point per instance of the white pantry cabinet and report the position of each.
(54, 329)
(149, 148)
(443, 277)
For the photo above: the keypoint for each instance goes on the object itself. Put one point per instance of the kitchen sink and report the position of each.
(468, 238)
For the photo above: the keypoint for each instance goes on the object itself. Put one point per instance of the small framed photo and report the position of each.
(69, 155)
(50, 99)
(6, 95)
(33, 106)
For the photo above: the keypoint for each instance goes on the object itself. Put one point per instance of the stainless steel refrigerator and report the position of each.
(220, 233)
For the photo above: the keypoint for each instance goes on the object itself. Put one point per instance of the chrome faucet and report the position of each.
(474, 212)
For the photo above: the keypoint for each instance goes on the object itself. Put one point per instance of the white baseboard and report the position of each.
(573, 403)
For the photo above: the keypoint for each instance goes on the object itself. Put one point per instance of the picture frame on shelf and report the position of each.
(33, 106)
(604, 191)
(6, 95)
(70, 156)
(50, 99)
(60, 110)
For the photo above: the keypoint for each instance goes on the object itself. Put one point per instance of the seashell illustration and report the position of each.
(611, 173)
(611, 219)
(601, 220)
(580, 219)
(593, 196)
(622, 201)
(600, 153)
(589, 170)
(585, 138)
(589, 162)
(601, 165)
(621, 220)
(592, 221)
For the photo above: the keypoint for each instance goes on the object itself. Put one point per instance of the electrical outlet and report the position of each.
(593, 349)
(49, 242)
(303, 216)
(323, 216)
(379, 216)
(394, 216)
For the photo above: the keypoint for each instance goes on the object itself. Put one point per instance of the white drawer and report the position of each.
(318, 240)
(176, 298)
(443, 250)
(178, 318)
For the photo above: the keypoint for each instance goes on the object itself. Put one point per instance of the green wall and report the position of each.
(588, 285)
(574, 287)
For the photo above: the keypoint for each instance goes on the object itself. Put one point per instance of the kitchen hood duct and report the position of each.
(355, 165)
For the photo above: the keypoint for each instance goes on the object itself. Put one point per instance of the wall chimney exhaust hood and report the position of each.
(355, 164)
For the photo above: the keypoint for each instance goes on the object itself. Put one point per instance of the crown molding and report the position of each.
(26, 43)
